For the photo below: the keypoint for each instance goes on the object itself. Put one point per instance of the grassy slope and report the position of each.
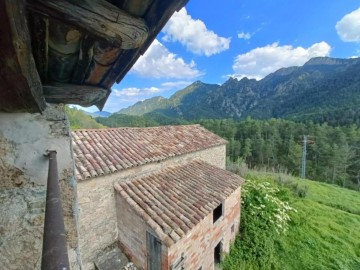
(325, 231)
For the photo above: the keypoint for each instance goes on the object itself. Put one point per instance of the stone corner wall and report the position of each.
(132, 233)
(24, 139)
(215, 155)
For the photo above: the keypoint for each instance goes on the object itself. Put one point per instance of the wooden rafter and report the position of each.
(137, 7)
(103, 58)
(64, 47)
(39, 27)
(20, 85)
(84, 95)
(98, 18)
(85, 55)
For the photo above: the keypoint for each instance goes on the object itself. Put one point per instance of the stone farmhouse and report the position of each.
(161, 194)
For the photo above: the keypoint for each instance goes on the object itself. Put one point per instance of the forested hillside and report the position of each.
(148, 120)
(79, 119)
(324, 89)
(276, 144)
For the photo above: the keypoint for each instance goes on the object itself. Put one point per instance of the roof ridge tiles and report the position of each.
(120, 128)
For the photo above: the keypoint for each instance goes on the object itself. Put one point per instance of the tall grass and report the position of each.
(323, 233)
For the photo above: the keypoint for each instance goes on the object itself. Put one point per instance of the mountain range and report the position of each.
(98, 114)
(321, 87)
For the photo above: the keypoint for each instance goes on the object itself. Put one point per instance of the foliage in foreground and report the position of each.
(322, 233)
(264, 217)
(78, 119)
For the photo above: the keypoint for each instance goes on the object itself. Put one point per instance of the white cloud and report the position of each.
(127, 92)
(158, 62)
(194, 35)
(152, 90)
(134, 92)
(178, 84)
(262, 61)
(348, 28)
(122, 98)
(244, 35)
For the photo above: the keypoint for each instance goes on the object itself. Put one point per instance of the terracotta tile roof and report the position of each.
(104, 151)
(176, 199)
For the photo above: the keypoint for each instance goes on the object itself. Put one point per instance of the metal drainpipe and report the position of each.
(54, 254)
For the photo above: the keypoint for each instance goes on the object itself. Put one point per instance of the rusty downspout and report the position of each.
(54, 254)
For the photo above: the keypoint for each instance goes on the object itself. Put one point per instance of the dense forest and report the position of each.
(333, 153)
(148, 120)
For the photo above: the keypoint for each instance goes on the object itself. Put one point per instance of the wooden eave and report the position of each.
(73, 51)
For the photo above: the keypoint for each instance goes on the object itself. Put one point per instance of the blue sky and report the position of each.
(212, 40)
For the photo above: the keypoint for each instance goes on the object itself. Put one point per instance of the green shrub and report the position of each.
(239, 166)
(264, 217)
(285, 180)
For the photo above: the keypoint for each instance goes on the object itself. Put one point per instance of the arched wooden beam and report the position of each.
(98, 18)
(84, 95)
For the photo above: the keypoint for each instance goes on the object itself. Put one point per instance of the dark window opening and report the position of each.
(217, 253)
(218, 212)
(200, 268)
(232, 228)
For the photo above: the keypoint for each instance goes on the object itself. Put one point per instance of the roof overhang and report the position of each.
(73, 51)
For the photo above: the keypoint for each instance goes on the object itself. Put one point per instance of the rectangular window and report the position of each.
(218, 212)
(232, 228)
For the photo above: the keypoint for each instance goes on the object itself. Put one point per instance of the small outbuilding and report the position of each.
(161, 194)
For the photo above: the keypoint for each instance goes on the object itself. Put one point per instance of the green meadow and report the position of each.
(323, 232)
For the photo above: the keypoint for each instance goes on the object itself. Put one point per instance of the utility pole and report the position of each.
(306, 140)
(303, 160)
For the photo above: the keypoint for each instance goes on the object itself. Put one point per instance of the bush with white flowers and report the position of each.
(260, 200)
(264, 217)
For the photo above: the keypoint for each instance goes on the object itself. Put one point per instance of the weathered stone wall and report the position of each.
(198, 246)
(97, 207)
(24, 139)
(97, 222)
(132, 232)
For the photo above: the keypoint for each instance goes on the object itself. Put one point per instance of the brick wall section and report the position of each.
(198, 246)
(97, 206)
